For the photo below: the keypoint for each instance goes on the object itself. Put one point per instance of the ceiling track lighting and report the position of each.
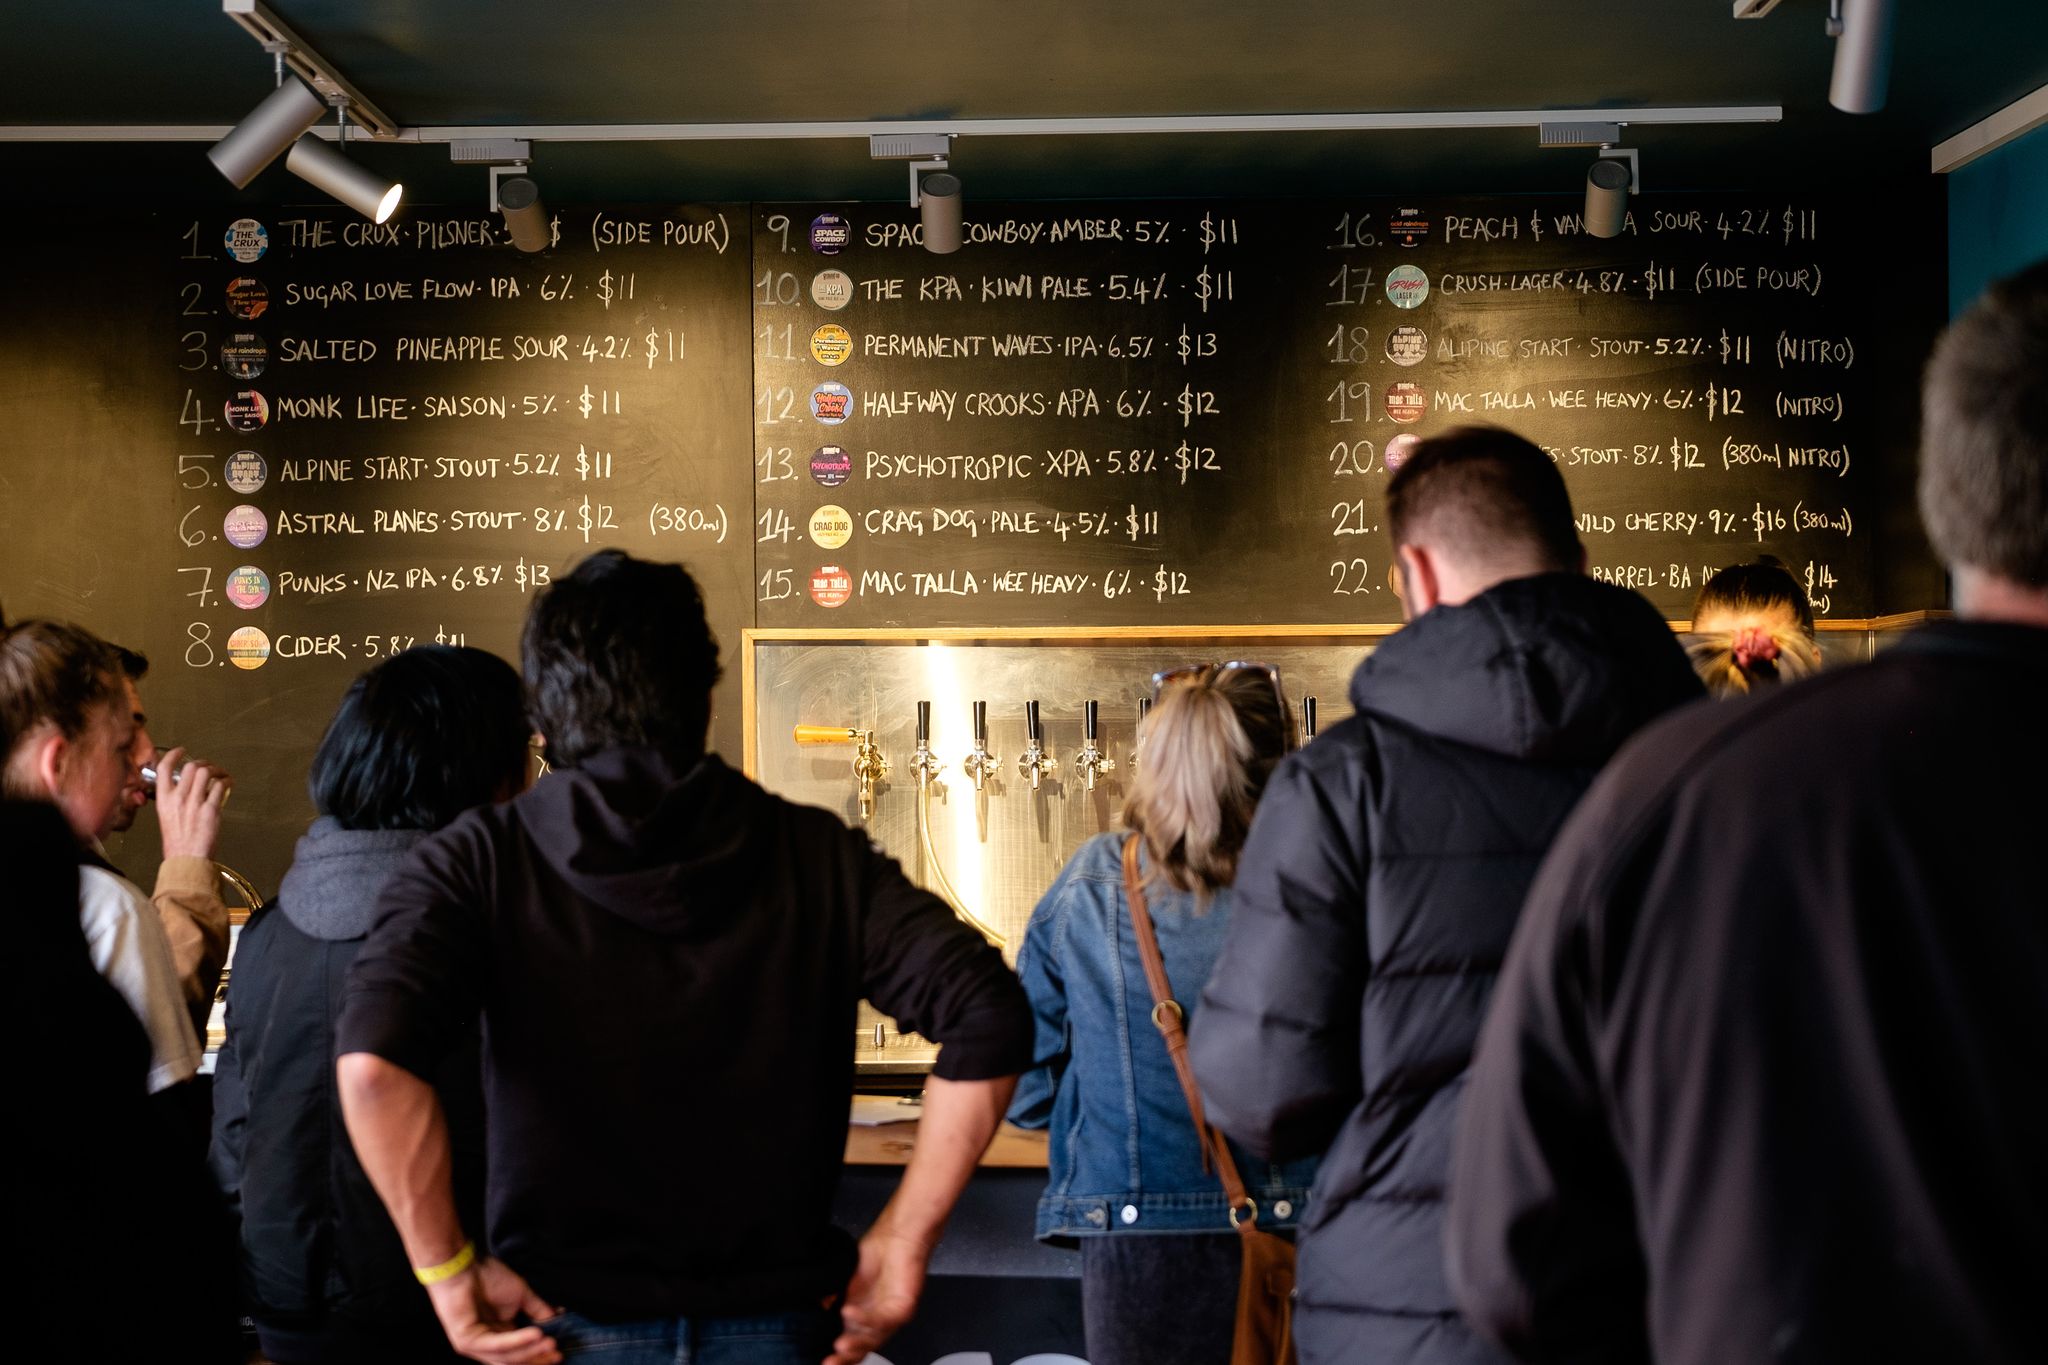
(325, 168)
(513, 191)
(1614, 175)
(1862, 30)
(934, 191)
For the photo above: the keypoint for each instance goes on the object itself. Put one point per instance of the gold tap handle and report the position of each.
(825, 734)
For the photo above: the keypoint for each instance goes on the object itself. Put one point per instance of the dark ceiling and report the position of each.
(464, 62)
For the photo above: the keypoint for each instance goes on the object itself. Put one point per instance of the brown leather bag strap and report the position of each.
(1169, 1019)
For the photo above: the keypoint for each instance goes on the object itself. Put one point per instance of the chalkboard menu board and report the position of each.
(271, 446)
(1124, 414)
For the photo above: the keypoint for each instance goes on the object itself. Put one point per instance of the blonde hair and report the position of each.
(1754, 652)
(1209, 745)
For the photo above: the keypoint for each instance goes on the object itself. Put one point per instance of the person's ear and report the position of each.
(1421, 588)
(51, 756)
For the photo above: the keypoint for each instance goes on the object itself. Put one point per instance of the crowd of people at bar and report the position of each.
(1546, 1009)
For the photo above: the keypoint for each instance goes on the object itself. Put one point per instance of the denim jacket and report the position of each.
(1123, 1154)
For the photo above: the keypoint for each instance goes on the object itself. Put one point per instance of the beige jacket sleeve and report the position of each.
(195, 921)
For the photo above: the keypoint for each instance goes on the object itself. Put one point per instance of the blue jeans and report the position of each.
(801, 1338)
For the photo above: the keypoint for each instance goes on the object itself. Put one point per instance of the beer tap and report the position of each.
(925, 765)
(1308, 719)
(980, 764)
(869, 766)
(1138, 736)
(1035, 763)
(1091, 760)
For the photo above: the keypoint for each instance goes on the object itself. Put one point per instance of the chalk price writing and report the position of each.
(375, 645)
(621, 286)
(1136, 289)
(1168, 583)
(1215, 232)
(675, 519)
(583, 517)
(1214, 286)
(1820, 583)
(1193, 345)
(1734, 349)
(605, 402)
(1193, 403)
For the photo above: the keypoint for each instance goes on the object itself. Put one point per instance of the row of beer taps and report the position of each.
(981, 764)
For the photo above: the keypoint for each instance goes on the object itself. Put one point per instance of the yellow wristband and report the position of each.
(448, 1269)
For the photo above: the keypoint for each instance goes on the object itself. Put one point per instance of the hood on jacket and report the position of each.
(664, 847)
(330, 890)
(1557, 668)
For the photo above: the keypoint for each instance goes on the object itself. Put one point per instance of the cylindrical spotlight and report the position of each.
(1863, 56)
(1607, 182)
(939, 206)
(525, 217)
(271, 127)
(320, 166)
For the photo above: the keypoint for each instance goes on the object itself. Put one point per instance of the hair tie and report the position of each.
(1754, 645)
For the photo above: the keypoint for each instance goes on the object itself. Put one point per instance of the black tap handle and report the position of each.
(1089, 719)
(1031, 721)
(1144, 709)
(924, 724)
(981, 725)
(1308, 716)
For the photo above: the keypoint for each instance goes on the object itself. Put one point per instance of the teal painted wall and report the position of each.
(1997, 216)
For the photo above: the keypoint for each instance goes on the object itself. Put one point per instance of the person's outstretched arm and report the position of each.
(960, 1117)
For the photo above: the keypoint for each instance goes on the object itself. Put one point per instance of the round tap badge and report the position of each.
(831, 586)
(1406, 402)
(1407, 286)
(830, 234)
(243, 355)
(247, 298)
(246, 240)
(247, 410)
(830, 465)
(246, 471)
(248, 648)
(831, 345)
(1407, 345)
(831, 403)
(1409, 227)
(831, 527)
(248, 587)
(832, 289)
(1399, 447)
(245, 527)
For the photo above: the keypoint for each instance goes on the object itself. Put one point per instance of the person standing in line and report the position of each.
(1128, 1177)
(1385, 871)
(1752, 626)
(668, 962)
(1766, 1077)
(417, 740)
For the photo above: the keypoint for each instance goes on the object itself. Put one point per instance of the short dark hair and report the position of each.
(1758, 588)
(52, 672)
(618, 655)
(1478, 491)
(134, 663)
(421, 738)
(1984, 434)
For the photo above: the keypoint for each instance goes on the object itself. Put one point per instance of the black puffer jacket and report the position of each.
(324, 1275)
(1382, 880)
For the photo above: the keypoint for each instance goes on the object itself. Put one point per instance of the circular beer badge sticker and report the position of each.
(247, 298)
(248, 587)
(245, 527)
(832, 289)
(831, 403)
(831, 527)
(248, 648)
(1407, 345)
(246, 240)
(243, 355)
(831, 345)
(1409, 227)
(830, 465)
(831, 586)
(246, 471)
(830, 234)
(1406, 402)
(1399, 447)
(1406, 286)
(247, 410)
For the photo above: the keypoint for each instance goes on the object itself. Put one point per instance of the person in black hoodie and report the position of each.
(1767, 1074)
(417, 740)
(1385, 871)
(668, 960)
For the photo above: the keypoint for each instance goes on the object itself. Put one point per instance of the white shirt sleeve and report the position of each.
(129, 949)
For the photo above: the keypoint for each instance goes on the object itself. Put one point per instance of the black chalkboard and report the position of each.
(269, 447)
(1180, 412)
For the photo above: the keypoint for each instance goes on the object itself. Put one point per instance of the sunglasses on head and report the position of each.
(1195, 673)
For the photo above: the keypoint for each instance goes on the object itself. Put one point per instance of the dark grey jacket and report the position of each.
(1382, 879)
